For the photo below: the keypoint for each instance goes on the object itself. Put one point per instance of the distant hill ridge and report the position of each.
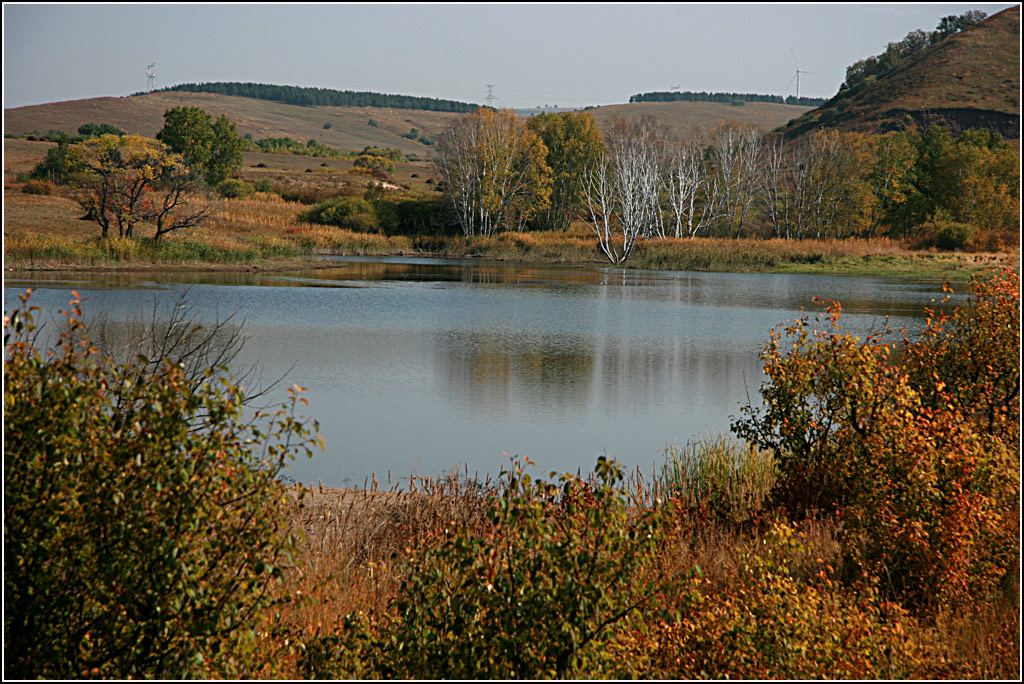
(971, 79)
(322, 97)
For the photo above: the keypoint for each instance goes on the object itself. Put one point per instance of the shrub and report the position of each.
(915, 443)
(352, 213)
(39, 187)
(766, 623)
(374, 163)
(143, 519)
(537, 595)
(234, 188)
(951, 235)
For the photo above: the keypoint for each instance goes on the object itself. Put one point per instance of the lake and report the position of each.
(421, 366)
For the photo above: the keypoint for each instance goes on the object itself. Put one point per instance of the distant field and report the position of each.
(350, 127)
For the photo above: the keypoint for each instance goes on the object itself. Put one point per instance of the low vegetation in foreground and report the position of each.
(862, 524)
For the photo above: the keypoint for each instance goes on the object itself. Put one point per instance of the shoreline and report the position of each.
(909, 265)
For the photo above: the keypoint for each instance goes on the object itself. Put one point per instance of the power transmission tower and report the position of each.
(150, 77)
(490, 95)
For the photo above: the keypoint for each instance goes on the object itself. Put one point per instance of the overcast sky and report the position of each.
(542, 54)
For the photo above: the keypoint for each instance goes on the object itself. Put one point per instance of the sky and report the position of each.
(565, 55)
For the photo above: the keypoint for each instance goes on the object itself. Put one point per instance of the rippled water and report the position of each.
(425, 365)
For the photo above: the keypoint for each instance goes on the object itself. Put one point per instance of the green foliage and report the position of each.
(574, 145)
(143, 519)
(390, 153)
(211, 149)
(737, 99)
(286, 145)
(233, 188)
(91, 130)
(537, 595)
(366, 161)
(58, 165)
(952, 235)
(914, 443)
(352, 213)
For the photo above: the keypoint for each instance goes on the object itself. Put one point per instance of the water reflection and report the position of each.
(424, 364)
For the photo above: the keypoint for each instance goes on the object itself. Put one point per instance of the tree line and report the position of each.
(632, 182)
(322, 97)
(899, 53)
(730, 98)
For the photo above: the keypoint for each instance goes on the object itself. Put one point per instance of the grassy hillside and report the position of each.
(683, 117)
(969, 80)
(350, 127)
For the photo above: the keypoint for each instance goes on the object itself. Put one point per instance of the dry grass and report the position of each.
(358, 542)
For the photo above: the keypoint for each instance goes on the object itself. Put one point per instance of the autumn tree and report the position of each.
(211, 149)
(131, 179)
(735, 157)
(494, 172)
(817, 187)
(574, 143)
(622, 189)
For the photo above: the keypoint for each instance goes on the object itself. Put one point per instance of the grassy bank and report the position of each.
(45, 232)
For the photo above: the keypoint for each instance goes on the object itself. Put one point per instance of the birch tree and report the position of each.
(494, 172)
(622, 189)
(735, 155)
(691, 189)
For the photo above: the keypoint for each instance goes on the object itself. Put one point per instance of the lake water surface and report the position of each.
(419, 366)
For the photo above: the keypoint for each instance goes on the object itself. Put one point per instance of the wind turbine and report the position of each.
(797, 74)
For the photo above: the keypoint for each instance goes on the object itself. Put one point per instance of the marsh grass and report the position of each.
(719, 477)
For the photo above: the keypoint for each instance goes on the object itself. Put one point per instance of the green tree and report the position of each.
(144, 523)
(574, 144)
(212, 150)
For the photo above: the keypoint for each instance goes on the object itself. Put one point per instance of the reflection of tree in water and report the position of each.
(493, 372)
(637, 375)
(170, 330)
(488, 370)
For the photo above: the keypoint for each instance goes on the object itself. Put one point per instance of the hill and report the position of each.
(351, 128)
(969, 80)
(682, 118)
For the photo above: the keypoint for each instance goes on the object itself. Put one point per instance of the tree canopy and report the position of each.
(211, 149)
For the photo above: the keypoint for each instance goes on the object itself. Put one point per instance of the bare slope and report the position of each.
(970, 80)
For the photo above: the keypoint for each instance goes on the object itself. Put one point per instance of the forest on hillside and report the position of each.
(322, 97)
